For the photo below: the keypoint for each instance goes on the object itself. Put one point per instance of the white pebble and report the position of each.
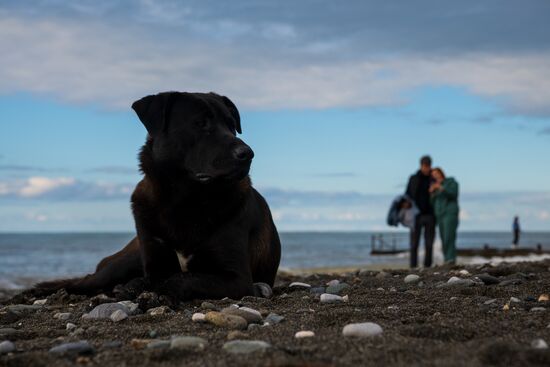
(331, 298)
(304, 334)
(299, 285)
(514, 300)
(538, 309)
(62, 316)
(365, 329)
(40, 302)
(464, 272)
(70, 326)
(412, 278)
(380, 289)
(118, 315)
(198, 317)
(454, 280)
(539, 344)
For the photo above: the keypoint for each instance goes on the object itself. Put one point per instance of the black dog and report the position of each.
(202, 230)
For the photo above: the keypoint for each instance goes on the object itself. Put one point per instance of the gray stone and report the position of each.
(508, 282)
(192, 343)
(412, 278)
(6, 347)
(487, 279)
(299, 285)
(317, 290)
(105, 310)
(365, 329)
(337, 289)
(382, 275)
(491, 301)
(40, 302)
(131, 306)
(538, 309)
(273, 319)
(118, 315)
(158, 344)
(208, 306)
(249, 314)
(70, 326)
(333, 282)
(80, 347)
(112, 344)
(514, 300)
(21, 309)
(246, 346)
(457, 282)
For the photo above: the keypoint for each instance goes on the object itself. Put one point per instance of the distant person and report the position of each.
(418, 189)
(517, 230)
(444, 198)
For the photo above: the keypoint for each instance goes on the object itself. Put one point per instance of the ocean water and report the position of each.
(27, 258)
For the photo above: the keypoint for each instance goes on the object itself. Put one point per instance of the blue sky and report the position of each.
(337, 103)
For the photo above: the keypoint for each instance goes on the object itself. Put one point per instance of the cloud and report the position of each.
(117, 170)
(272, 60)
(62, 189)
(545, 131)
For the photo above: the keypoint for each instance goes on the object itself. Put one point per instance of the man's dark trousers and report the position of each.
(426, 221)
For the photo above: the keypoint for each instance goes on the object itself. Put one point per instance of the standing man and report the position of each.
(418, 190)
(516, 229)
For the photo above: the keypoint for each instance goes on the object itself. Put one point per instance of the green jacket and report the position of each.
(445, 200)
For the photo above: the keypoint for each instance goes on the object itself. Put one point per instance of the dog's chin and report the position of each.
(231, 176)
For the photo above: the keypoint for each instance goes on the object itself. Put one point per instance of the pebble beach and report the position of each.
(452, 316)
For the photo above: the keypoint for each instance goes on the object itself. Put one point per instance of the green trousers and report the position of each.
(448, 224)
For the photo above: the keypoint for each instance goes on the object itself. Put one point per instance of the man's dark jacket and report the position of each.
(418, 189)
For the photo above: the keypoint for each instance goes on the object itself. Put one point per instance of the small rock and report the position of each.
(161, 310)
(456, 298)
(491, 301)
(538, 309)
(263, 290)
(147, 300)
(227, 321)
(331, 298)
(273, 319)
(392, 289)
(299, 285)
(514, 300)
(64, 316)
(412, 278)
(464, 272)
(105, 310)
(8, 331)
(198, 317)
(153, 334)
(140, 343)
(366, 329)
(118, 315)
(236, 334)
(506, 307)
(382, 275)
(6, 347)
(131, 306)
(455, 281)
(508, 282)
(337, 289)
(304, 334)
(539, 344)
(333, 283)
(159, 344)
(100, 299)
(249, 314)
(70, 326)
(256, 326)
(40, 302)
(544, 298)
(245, 346)
(191, 343)
(380, 289)
(81, 347)
(22, 309)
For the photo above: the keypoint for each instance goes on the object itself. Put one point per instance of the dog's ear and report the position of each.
(153, 111)
(234, 112)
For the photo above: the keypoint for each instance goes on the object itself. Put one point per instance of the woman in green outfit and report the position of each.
(444, 198)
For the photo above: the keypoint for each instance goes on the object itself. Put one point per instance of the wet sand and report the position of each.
(429, 323)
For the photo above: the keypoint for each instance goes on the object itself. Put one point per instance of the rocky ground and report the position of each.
(460, 316)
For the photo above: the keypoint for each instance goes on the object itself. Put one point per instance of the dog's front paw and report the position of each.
(262, 290)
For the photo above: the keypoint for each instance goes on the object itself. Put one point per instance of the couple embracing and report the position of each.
(434, 199)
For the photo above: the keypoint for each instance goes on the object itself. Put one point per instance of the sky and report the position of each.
(337, 100)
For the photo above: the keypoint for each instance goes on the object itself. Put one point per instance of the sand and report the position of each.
(423, 324)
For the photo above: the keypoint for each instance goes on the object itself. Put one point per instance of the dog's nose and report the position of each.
(243, 153)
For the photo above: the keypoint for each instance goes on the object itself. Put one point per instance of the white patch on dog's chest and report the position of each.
(183, 260)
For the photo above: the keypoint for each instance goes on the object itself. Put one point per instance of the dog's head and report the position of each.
(195, 134)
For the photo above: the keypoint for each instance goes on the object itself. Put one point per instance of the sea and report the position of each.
(26, 258)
